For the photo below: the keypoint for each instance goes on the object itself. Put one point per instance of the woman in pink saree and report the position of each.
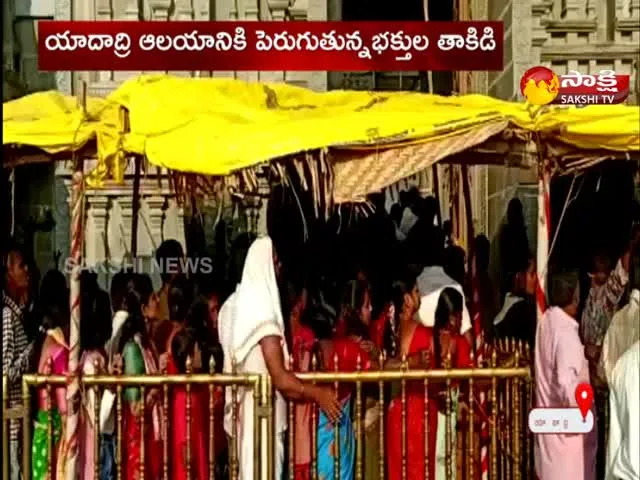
(53, 360)
(54, 355)
(93, 336)
(52, 410)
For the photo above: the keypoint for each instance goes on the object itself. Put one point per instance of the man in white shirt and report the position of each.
(623, 451)
(624, 329)
(433, 280)
(623, 332)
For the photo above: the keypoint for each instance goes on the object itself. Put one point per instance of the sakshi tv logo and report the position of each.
(542, 86)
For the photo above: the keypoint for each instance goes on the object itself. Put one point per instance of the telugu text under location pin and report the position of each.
(584, 399)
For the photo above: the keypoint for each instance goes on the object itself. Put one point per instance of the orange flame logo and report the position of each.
(540, 85)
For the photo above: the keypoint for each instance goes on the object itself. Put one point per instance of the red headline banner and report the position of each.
(270, 46)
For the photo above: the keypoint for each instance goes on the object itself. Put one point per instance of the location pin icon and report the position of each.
(584, 399)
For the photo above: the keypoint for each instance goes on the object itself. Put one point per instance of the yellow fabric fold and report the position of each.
(218, 126)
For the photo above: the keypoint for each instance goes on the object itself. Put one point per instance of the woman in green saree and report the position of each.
(139, 358)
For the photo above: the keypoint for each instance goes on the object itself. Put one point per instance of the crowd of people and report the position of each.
(408, 307)
(130, 330)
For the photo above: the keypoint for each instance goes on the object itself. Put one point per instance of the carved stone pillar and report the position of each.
(574, 9)
(96, 229)
(522, 24)
(278, 9)
(8, 35)
(252, 10)
(63, 79)
(159, 9)
(96, 234)
(126, 214)
(298, 10)
(155, 212)
(131, 12)
(173, 222)
(184, 10)
(541, 13)
(103, 10)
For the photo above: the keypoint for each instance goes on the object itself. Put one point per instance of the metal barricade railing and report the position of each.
(505, 381)
(254, 384)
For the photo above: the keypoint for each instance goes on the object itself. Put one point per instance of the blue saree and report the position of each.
(346, 447)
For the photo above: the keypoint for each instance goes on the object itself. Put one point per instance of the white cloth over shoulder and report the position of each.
(258, 309)
(431, 282)
(623, 451)
(252, 313)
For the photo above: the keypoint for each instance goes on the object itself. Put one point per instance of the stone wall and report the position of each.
(20, 48)
(108, 220)
(101, 83)
(34, 200)
(583, 35)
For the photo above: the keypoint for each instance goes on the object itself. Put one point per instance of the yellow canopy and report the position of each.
(218, 126)
(49, 121)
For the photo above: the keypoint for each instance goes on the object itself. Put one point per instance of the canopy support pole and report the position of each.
(466, 192)
(544, 235)
(69, 448)
(135, 208)
(454, 202)
(436, 191)
(135, 203)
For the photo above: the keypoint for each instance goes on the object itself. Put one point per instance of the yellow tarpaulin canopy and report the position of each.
(49, 121)
(218, 126)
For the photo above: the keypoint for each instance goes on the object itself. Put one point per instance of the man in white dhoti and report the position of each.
(623, 451)
(623, 331)
(252, 335)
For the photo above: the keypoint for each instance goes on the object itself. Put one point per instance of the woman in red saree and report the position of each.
(420, 344)
(189, 322)
(303, 344)
(180, 300)
(345, 353)
(183, 346)
(139, 358)
(371, 335)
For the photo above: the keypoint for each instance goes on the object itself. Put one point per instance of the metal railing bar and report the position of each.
(147, 380)
(390, 375)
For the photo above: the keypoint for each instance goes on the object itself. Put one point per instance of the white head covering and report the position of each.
(258, 313)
